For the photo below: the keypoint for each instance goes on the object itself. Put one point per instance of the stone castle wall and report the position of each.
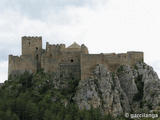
(73, 62)
(111, 61)
(18, 65)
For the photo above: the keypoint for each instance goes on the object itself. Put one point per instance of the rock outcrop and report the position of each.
(130, 89)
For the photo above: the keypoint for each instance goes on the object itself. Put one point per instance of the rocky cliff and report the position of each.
(130, 89)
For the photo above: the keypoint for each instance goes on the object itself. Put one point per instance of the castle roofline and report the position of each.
(74, 45)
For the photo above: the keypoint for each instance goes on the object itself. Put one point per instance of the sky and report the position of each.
(104, 26)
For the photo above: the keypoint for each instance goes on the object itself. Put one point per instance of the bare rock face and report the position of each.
(129, 89)
(151, 87)
(127, 81)
(102, 90)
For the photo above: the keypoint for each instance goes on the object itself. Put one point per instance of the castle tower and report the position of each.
(31, 45)
(84, 49)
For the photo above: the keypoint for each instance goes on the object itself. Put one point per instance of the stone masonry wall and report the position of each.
(111, 61)
(18, 65)
(71, 60)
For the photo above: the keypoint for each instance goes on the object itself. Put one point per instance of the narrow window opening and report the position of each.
(37, 57)
(36, 48)
(29, 44)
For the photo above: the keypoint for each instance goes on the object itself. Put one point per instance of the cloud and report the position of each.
(37, 9)
(103, 25)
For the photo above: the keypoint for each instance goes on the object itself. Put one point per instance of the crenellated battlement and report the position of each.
(54, 49)
(55, 46)
(73, 60)
(14, 58)
(31, 38)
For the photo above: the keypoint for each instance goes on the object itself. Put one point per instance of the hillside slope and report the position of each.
(43, 96)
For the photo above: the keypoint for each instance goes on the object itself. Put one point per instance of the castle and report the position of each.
(71, 62)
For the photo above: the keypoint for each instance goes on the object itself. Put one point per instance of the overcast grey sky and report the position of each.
(103, 25)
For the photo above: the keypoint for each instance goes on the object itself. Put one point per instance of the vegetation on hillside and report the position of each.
(34, 97)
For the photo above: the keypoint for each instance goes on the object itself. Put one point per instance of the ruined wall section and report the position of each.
(18, 65)
(111, 61)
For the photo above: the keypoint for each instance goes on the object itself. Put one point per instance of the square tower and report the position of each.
(31, 45)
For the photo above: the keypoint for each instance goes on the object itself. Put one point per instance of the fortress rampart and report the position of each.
(73, 62)
(111, 61)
